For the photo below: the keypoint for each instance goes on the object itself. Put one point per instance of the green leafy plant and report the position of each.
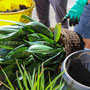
(35, 81)
(30, 44)
(57, 32)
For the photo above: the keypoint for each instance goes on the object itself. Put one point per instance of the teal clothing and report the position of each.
(75, 12)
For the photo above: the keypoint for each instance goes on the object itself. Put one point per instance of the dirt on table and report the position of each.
(78, 72)
(21, 7)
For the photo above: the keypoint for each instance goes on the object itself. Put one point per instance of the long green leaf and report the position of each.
(33, 78)
(46, 39)
(5, 85)
(39, 49)
(57, 32)
(42, 79)
(11, 27)
(27, 18)
(21, 72)
(33, 37)
(28, 30)
(9, 61)
(28, 76)
(19, 83)
(38, 78)
(10, 84)
(54, 80)
(40, 28)
(14, 36)
(61, 83)
(14, 22)
(7, 31)
(18, 47)
(25, 81)
(11, 43)
(51, 88)
(6, 47)
(50, 59)
(38, 84)
(19, 53)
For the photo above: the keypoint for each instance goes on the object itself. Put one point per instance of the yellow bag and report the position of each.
(15, 3)
(5, 4)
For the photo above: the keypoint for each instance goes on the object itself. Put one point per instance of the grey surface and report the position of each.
(52, 14)
(59, 7)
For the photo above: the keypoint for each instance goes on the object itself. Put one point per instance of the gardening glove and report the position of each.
(75, 12)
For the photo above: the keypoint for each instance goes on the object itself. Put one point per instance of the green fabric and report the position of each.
(76, 11)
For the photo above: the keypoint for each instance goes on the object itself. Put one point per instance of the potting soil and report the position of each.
(79, 72)
(21, 7)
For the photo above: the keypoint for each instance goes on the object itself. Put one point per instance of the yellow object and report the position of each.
(5, 4)
(16, 16)
(15, 3)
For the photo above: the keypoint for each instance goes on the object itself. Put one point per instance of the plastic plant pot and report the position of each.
(77, 66)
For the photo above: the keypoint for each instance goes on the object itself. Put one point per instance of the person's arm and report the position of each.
(75, 12)
(88, 1)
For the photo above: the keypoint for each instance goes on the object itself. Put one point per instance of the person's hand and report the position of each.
(75, 12)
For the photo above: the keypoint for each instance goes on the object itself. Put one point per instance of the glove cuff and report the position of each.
(82, 2)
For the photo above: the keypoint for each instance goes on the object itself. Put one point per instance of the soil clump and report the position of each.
(21, 7)
(79, 72)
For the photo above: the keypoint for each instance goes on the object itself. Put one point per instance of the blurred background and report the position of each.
(52, 14)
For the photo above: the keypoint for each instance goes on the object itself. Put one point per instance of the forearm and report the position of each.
(88, 1)
(76, 11)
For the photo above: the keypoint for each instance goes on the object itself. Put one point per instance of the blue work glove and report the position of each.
(75, 12)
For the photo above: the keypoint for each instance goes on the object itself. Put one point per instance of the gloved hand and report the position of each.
(75, 12)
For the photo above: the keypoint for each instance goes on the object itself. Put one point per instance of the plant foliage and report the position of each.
(31, 44)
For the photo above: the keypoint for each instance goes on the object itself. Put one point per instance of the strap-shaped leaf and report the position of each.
(14, 36)
(33, 37)
(57, 32)
(15, 49)
(27, 18)
(7, 31)
(19, 53)
(14, 22)
(43, 49)
(10, 84)
(11, 27)
(10, 44)
(40, 28)
(39, 49)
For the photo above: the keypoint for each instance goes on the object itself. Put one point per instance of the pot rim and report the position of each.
(64, 68)
(20, 11)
